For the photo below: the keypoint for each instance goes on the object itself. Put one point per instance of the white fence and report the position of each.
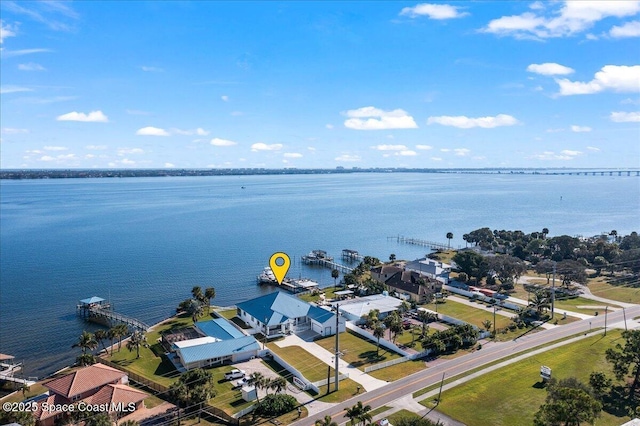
(387, 344)
(291, 369)
(480, 296)
(247, 410)
(332, 379)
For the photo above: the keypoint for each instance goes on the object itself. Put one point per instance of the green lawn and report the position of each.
(512, 395)
(572, 305)
(470, 314)
(358, 351)
(603, 286)
(398, 371)
(227, 313)
(311, 367)
(329, 293)
(402, 414)
(379, 410)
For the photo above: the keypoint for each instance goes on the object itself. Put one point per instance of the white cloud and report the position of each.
(14, 89)
(461, 152)
(311, 148)
(13, 131)
(390, 147)
(169, 165)
(11, 53)
(151, 69)
(224, 98)
(347, 158)
(565, 19)
(92, 117)
(31, 66)
(58, 158)
(292, 155)
(625, 117)
(152, 131)
(630, 101)
(329, 126)
(629, 29)
(6, 31)
(617, 78)
(424, 147)
(550, 68)
(570, 152)
(264, 147)
(371, 118)
(47, 158)
(550, 155)
(555, 130)
(436, 159)
(96, 147)
(593, 148)
(125, 151)
(55, 148)
(222, 142)
(433, 11)
(89, 156)
(445, 150)
(406, 153)
(127, 162)
(580, 129)
(464, 122)
(199, 131)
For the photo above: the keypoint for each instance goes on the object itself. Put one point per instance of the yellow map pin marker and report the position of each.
(279, 270)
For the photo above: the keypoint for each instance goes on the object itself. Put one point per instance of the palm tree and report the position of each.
(335, 274)
(614, 234)
(392, 257)
(449, 237)
(487, 324)
(279, 384)
(101, 336)
(424, 316)
(120, 330)
(111, 334)
(86, 341)
(378, 332)
(540, 302)
(130, 423)
(197, 293)
(258, 380)
(394, 324)
(404, 307)
(358, 413)
(327, 421)
(545, 231)
(137, 339)
(85, 359)
(209, 293)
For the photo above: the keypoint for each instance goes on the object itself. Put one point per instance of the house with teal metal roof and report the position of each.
(279, 313)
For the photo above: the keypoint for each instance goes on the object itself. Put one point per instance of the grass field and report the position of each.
(227, 313)
(358, 351)
(328, 294)
(624, 292)
(512, 395)
(572, 305)
(402, 414)
(472, 315)
(398, 371)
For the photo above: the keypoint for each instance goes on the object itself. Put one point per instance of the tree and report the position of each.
(279, 384)
(545, 267)
(197, 294)
(425, 317)
(119, 331)
(209, 293)
(392, 257)
(275, 405)
(545, 232)
(86, 341)
(507, 268)
(85, 359)
(101, 419)
(540, 302)
(371, 318)
(193, 387)
(416, 421)
(393, 321)
(136, 340)
(335, 274)
(327, 421)
(568, 407)
(378, 332)
(471, 263)
(130, 423)
(599, 383)
(258, 380)
(358, 413)
(101, 336)
(487, 324)
(571, 271)
(483, 237)
(626, 359)
(449, 237)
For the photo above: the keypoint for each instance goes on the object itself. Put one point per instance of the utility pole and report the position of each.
(328, 378)
(494, 321)
(624, 314)
(336, 372)
(553, 292)
(606, 310)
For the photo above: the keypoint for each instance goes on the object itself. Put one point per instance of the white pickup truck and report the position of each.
(234, 374)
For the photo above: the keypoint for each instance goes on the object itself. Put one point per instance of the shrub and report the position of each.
(275, 405)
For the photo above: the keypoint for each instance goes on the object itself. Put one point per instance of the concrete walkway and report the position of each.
(368, 382)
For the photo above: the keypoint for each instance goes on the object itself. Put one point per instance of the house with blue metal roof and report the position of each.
(279, 313)
(219, 342)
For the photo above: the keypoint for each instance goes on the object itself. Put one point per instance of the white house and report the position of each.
(279, 313)
(430, 268)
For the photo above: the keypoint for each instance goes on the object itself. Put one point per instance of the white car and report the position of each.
(234, 374)
(240, 383)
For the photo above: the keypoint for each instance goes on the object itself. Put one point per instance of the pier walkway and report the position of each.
(327, 264)
(418, 242)
(95, 309)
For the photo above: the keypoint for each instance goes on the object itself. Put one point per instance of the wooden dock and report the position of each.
(418, 242)
(327, 264)
(95, 309)
(352, 255)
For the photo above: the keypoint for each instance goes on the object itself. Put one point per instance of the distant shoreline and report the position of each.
(21, 174)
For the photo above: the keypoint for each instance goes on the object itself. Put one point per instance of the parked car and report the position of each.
(406, 324)
(234, 374)
(240, 383)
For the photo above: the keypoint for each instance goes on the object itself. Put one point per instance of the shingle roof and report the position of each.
(116, 394)
(84, 379)
(219, 349)
(219, 328)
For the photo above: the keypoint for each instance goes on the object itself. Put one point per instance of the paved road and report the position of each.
(489, 353)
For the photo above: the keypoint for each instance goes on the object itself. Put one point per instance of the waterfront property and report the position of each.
(410, 285)
(430, 268)
(278, 314)
(209, 343)
(94, 384)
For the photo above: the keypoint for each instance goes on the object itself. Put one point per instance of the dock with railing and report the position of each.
(418, 242)
(99, 310)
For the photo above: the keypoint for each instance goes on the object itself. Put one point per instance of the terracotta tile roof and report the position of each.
(84, 379)
(51, 400)
(116, 394)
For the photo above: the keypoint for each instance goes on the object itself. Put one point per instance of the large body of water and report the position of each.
(145, 242)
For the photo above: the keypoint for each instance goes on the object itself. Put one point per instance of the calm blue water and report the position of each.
(145, 242)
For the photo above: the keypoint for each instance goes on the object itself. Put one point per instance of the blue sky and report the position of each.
(320, 84)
